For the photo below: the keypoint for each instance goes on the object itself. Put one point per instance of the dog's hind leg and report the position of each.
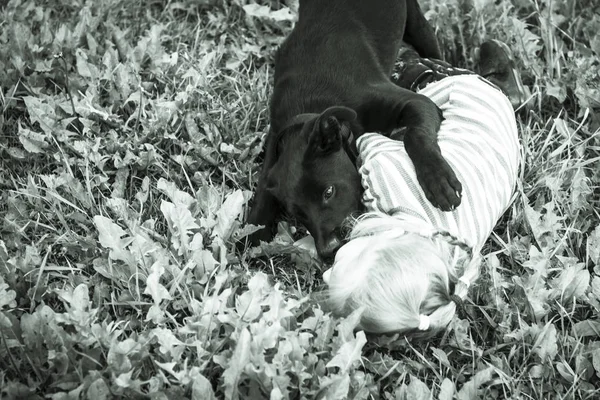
(415, 72)
(419, 33)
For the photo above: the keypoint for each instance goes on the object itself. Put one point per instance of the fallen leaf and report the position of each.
(84, 68)
(417, 390)
(536, 371)
(110, 237)
(42, 112)
(336, 387)
(572, 282)
(447, 390)
(587, 328)
(7, 297)
(470, 388)
(441, 356)
(32, 142)
(546, 345)
(169, 343)
(556, 90)
(202, 388)
(181, 223)
(545, 226)
(98, 390)
(593, 245)
(565, 371)
(349, 353)
(78, 301)
(258, 11)
(596, 360)
(110, 233)
(230, 210)
(177, 196)
(153, 286)
(238, 361)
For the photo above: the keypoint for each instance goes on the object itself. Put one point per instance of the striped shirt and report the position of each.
(478, 138)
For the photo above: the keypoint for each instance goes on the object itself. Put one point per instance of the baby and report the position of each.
(408, 264)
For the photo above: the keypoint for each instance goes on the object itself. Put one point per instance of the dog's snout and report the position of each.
(327, 252)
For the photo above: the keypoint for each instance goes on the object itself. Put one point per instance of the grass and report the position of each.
(130, 142)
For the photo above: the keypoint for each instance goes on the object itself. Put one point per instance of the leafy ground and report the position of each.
(130, 141)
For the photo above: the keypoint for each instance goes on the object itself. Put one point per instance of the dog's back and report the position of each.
(383, 21)
(326, 60)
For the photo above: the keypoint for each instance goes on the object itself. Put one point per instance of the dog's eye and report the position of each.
(328, 193)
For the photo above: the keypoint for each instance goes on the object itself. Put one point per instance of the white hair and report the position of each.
(401, 272)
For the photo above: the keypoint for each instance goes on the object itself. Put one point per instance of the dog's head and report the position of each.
(315, 178)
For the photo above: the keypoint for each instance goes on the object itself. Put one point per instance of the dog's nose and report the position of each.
(327, 252)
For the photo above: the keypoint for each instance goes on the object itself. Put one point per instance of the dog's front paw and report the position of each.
(440, 184)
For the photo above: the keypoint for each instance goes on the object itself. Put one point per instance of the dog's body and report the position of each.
(332, 83)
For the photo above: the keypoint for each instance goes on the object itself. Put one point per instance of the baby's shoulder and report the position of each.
(371, 144)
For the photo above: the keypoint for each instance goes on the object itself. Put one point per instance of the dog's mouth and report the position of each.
(343, 234)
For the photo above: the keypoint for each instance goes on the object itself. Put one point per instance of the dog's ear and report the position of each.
(328, 132)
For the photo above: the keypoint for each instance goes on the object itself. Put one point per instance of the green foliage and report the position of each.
(130, 143)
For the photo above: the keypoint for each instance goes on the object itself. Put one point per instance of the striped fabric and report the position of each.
(478, 138)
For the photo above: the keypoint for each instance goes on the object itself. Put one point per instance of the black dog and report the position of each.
(332, 83)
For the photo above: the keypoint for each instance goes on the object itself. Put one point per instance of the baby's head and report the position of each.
(403, 274)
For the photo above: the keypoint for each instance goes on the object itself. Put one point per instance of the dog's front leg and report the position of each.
(264, 211)
(422, 119)
(265, 206)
